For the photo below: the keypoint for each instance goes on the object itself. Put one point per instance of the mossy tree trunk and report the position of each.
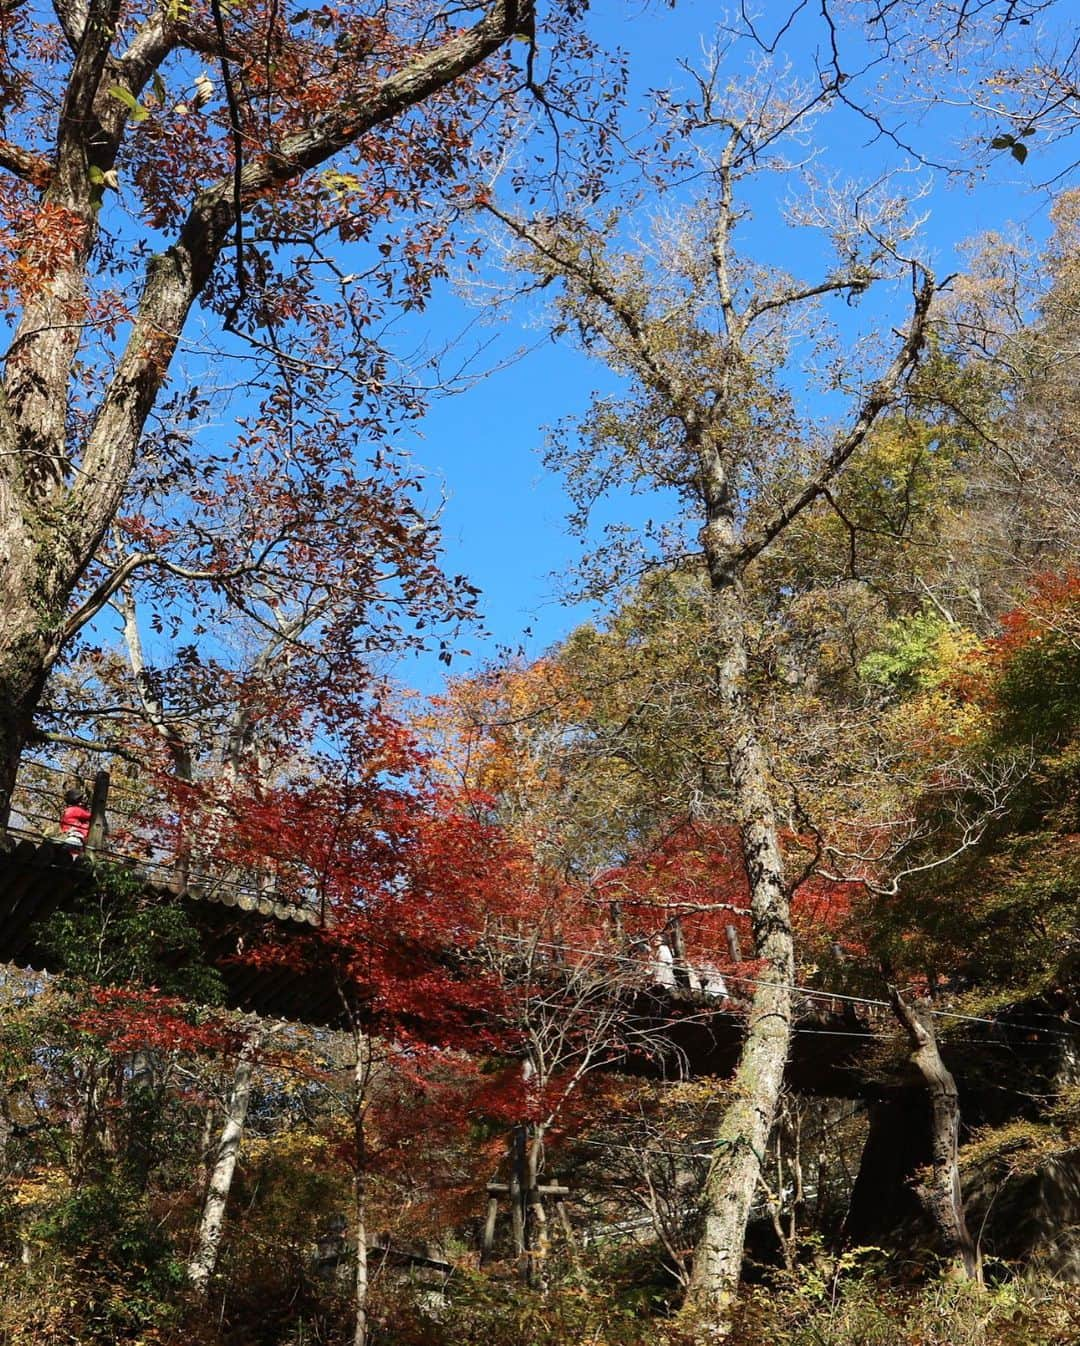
(742, 1136)
(940, 1191)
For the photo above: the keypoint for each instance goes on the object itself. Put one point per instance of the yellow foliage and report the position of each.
(298, 1149)
(1018, 1147)
(40, 1191)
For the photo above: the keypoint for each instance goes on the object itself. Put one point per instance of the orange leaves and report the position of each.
(42, 241)
(1052, 609)
(1019, 681)
(496, 734)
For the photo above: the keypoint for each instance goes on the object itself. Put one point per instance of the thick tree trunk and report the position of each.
(49, 529)
(212, 1224)
(743, 1134)
(940, 1193)
(22, 677)
(897, 1144)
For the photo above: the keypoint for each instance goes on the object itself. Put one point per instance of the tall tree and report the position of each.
(704, 340)
(107, 112)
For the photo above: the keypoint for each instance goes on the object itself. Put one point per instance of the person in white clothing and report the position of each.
(663, 967)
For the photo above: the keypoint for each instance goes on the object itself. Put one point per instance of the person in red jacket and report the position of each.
(75, 820)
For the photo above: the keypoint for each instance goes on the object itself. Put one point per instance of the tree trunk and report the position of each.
(536, 1230)
(896, 1145)
(360, 1285)
(143, 1106)
(940, 1193)
(487, 1243)
(22, 679)
(743, 1134)
(361, 1072)
(212, 1224)
(676, 940)
(518, 1193)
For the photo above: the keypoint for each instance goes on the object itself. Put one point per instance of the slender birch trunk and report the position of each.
(360, 1285)
(361, 1073)
(212, 1223)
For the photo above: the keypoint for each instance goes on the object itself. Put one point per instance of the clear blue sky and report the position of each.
(504, 519)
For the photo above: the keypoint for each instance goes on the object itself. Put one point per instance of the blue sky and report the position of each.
(504, 517)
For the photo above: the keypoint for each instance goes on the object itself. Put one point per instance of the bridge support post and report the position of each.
(99, 829)
(518, 1198)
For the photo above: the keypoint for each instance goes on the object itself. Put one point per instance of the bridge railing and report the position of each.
(136, 823)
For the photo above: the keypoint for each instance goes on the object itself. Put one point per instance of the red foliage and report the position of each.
(404, 877)
(126, 1020)
(1050, 612)
(696, 874)
(1052, 606)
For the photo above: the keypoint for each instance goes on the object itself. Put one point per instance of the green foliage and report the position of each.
(1039, 690)
(477, 1308)
(110, 1268)
(1019, 1147)
(118, 936)
(1003, 917)
(907, 658)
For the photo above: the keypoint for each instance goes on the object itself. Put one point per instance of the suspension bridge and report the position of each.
(691, 1019)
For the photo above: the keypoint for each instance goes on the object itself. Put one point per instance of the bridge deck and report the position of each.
(40, 878)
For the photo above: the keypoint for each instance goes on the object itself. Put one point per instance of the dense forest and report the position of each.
(711, 975)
